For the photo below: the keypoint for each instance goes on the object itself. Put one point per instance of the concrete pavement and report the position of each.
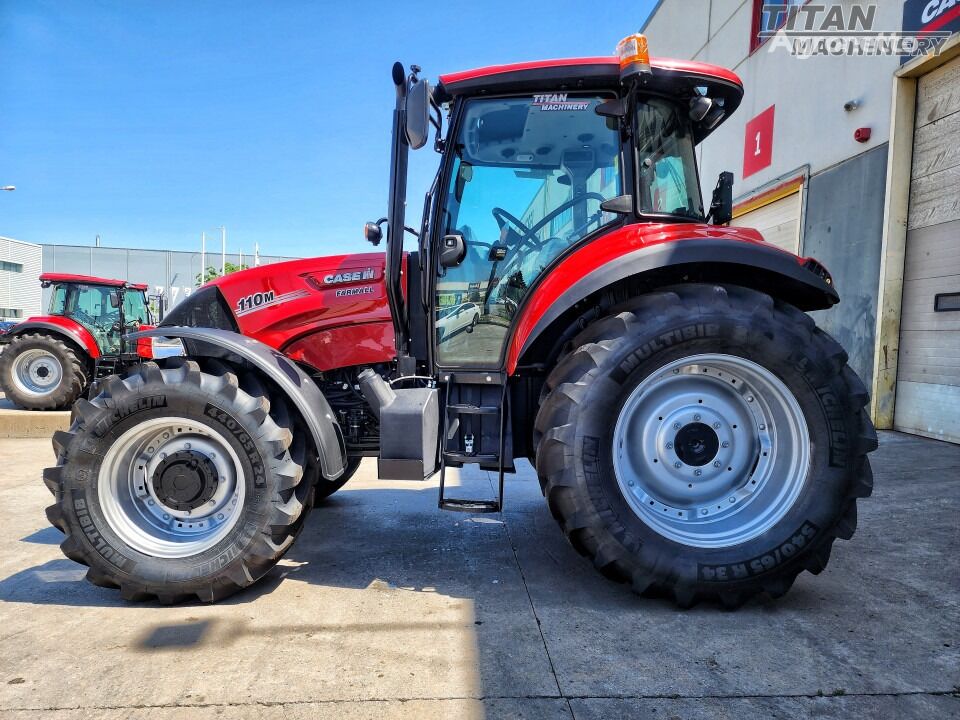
(388, 608)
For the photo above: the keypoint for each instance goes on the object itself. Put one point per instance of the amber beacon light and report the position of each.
(634, 55)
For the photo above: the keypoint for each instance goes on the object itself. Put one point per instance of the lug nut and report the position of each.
(716, 426)
(630, 483)
(698, 473)
(678, 464)
(669, 446)
(697, 418)
(749, 398)
(725, 443)
(676, 426)
(763, 427)
(716, 463)
(733, 500)
(186, 446)
(704, 511)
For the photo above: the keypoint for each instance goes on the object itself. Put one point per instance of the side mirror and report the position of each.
(115, 300)
(721, 205)
(373, 232)
(452, 251)
(417, 112)
(699, 107)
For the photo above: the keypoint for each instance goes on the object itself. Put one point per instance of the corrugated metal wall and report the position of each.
(168, 272)
(20, 295)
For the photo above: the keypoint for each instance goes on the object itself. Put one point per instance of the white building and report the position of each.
(19, 279)
(855, 161)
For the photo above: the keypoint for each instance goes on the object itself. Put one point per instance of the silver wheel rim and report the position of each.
(131, 492)
(37, 372)
(711, 450)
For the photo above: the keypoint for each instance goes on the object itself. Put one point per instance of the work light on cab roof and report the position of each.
(634, 54)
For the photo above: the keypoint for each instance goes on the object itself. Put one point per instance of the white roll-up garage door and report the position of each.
(778, 221)
(928, 374)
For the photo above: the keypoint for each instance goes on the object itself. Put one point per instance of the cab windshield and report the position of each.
(667, 171)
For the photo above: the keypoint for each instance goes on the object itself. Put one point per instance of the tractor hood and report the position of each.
(326, 312)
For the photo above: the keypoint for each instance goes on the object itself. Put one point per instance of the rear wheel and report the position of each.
(177, 483)
(705, 442)
(42, 372)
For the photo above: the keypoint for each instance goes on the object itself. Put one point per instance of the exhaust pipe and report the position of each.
(376, 391)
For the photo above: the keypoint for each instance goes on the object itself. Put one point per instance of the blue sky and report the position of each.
(149, 122)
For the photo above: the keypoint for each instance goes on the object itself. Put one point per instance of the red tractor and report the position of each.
(50, 360)
(695, 434)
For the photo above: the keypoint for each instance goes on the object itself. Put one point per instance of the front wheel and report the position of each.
(178, 483)
(705, 442)
(42, 372)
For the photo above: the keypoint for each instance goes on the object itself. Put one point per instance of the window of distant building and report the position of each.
(11, 267)
(770, 15)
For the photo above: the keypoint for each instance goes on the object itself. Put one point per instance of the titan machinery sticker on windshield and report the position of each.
(558, 101)
(261, 300)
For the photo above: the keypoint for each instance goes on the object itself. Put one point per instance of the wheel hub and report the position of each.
(696, 444)
(171, 487)
(185, 480)
(710, 450)
(37, 372)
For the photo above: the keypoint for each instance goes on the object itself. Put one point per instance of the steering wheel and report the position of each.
(529, 234)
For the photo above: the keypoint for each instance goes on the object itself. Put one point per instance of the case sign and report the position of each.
(758, 143)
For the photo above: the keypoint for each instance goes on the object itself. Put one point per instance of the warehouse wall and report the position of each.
(167, 272)
(19, 288)
(843, 229)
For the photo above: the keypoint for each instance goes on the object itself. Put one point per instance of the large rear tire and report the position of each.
(42, 372)
(705, 442)
(177, 483)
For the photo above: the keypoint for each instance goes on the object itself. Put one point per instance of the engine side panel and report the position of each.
(328, 312)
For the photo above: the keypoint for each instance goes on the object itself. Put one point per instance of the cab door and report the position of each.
(525, 182)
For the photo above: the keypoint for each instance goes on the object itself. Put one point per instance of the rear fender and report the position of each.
(299, 388)
(70, 329)
(568, 292)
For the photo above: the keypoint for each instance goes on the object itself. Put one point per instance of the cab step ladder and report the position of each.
(453, 412)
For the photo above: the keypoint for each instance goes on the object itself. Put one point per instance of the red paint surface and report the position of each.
(758, 142)
(319, 324)
(607, 249)
(89, 280)
(71, 328)
(682, 66)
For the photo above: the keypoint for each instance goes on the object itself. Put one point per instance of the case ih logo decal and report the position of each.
(261, 300)
(558, 101)
(346, 277)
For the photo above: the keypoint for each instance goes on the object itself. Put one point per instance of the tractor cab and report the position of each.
(537, 160)
(107, 309)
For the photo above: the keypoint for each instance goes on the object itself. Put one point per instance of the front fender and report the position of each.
(800, 281)
(299, 388)
(56, 325)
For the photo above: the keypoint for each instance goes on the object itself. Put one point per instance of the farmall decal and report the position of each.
(558, 101)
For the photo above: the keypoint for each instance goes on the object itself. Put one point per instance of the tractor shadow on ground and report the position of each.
(396, 538)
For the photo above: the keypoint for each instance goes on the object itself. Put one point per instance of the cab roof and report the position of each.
(89, 280)
(679, 78)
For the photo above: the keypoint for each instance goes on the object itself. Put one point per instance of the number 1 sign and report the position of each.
(758, 143)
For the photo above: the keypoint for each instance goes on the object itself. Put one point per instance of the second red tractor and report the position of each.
(49, 361)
